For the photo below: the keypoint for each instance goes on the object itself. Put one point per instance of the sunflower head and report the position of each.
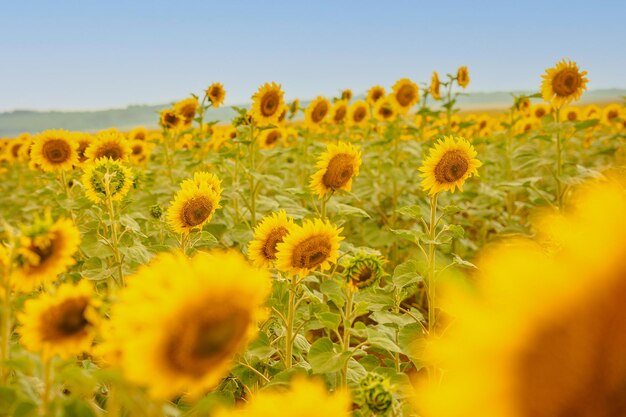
(268, 234)
(216, 94)
(375, 93)
(267, 104)
(316, 112)
(138, 133)
(269, 138)
(540, 110)
(106, 178)
(205, 179)
(462, 76)
(339, 111)
(385, 109)
(449, 164)
(363, 270)
(171, 119)
(109, 144)
(358, 114)
(571, 114)
(563, 84)
(612, 113)
(336, 168)
(193, 206)
(374, 393)
(55, 150)
(294, 107)
(346, 94)
(405, 94)
(140, 151)
(435, 86)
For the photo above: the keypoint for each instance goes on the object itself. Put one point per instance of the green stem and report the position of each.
(168, 157)
(430, 280)
(347, 325)
(291, 313)
(559, 162)
(114, 240)
(449, 105)
(252, 151)
(47, 385)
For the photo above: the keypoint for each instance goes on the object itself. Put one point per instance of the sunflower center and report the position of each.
(566, 82)
(137, 149)
(405, 95)
(171, 119)
(65, 320)
(451, 167)
(571, 116)
(110, 150)
(574, 366)
(319, 112)
(340, 114)
(612, 114)
(339, 171)
(376, 95)
(56, 151)
(188, 111)
(15, 149)
(272, 137)
(273, 239)
(206, 339)
(540, 112)
(269, 103)
(385, 111)
(196, 211)
(359, 115)
(312, 252)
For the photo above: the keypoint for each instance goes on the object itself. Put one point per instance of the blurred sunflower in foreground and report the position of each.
(546, 334)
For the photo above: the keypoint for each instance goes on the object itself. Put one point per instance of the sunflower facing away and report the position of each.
(435, 86)
(316, 112)
(54, 150)
(375, 93)
(216, 94)
(111, 145)
(46, 250)
(192, 207)
(191, 328)
(450, 162)
(363, 270)
(335, 168)
(63, 322)
(563, 84)
(267, 104)
(462, 76)
(561, 354)
(267, 235)
(405, 94)
(358, 114)
(106, 178)
(314, 245)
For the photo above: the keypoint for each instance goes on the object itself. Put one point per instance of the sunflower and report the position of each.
(206, 179)
(54, 150)
(572, 114)
(187, 109)
(563, 84)
(216, 94)
(63, 323)
(315, 112)
(267, 103)
(138, 133)
(111, 145)
(294, 106)
(339, 111)
(171, 119)
(346, 94)
(385, 109)
(83, 140)
(363, 270)
(375, 93)
(561, 354)
(46, 249)
(190, 328)
(540, 110)
(358, 114)
(335, 168)
(314, 245)
(305, 398)
(592, 111)
(405, 94)
(611, 113)
(140, 151)
(269, 138)
(435, 86)
(522, 104)
(449, 164)
(462, 76)
(267, 235)
(192, 207)
(106, 178)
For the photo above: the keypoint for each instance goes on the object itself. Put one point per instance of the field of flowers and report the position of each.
(384, 256)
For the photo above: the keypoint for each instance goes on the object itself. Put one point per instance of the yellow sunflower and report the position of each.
(611, 113)
(202, 178)
(358, 114)
(140, 151)
(561, 354)
(64, 322)
(462, 76)
(450, 162)
(267, 235)
(563, 84)
(216, 94)
(592, 111)
(305, 398)
(267, 104)
(523, 105)
(192, 207)
(190, 329)
(269, 138)
(405, 94)
(106, 178)
(385, 109)
(435, 86)
(138, 133)
(171, 119)
(111, 145)
(46, 249)
(316, 112)
(339, 111)
(571, 114)
(540, 110)
(363, 270)
(375, 93)
(346, 94)
(187, 109)
(314, 245)
(83, 140)
(55, 150)
(336, 168)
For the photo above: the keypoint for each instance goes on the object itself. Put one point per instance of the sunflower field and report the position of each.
(387, 255)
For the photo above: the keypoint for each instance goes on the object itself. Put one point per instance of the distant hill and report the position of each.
(18, 121)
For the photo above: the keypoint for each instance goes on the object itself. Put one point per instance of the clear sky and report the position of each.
(92, 54)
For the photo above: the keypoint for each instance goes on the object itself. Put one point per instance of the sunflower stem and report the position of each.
(430, 280)
(347, 325)
(168, 157)
(47, 382)
(252, 151)
(559, 162)
(449, 105)
(114, 236)
(291, 312)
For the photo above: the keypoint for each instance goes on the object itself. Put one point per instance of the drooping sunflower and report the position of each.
(450, 162)
(358, 114)
(269, 138)
(191, 328)
(267, 235)
(312, 246)
(111, 145)
(216, 94)
(405, 94)
(363, 270)
(46, 249)
(462, 76)
(562, 354)
(435, 86)
(316, 112)
(375, 93)
(339, 111)
(267, 104)
(187, 109)
(385, 109)
(563, 84)
(336, 168)
(55, 150)
(171, 119)
(193, 207)
(64, 322)
(106, 178)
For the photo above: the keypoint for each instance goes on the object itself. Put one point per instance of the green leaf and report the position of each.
(331, 289)
(585, 124)
(7, 399)
(414, 212)
(330, 320)
(406, 274)
(323, 357)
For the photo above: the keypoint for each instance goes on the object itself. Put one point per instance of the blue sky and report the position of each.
(91, 54)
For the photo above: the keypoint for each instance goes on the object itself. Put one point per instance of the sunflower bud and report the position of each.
(156, 211)
(375, 393)
(363, 270)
